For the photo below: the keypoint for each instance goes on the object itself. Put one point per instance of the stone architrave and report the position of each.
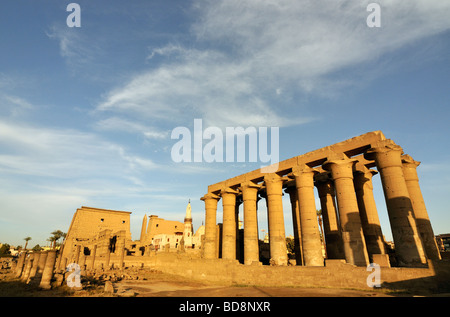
(333, 238)
(350, 221)
(251, 246)
(229, 223)
(408, 244)
(277, 236)
(310, 235)
(420, 210)
(368, 210)
(209, 246)
(293, 196)
(47, 273)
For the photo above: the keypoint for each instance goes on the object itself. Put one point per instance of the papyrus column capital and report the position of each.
(210, 196)
(385, 153)
(340, 168)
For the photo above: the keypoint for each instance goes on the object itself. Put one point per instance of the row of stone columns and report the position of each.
(36, 266)
(351, 223)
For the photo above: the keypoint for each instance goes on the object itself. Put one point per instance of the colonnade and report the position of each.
(343, 181)
(36, 267)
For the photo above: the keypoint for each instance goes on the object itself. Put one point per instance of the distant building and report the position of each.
(163, 233)
(90, 224)
(443, 241)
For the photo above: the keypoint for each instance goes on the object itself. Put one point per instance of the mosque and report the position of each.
(171, 234)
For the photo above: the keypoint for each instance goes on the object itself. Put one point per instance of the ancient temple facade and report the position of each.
(342, 176)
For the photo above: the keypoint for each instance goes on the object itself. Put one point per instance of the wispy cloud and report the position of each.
(204, 84)
(124, 125)
(38, 151)
(78, 50)
(260, 54)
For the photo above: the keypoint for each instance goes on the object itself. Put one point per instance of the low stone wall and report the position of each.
(336, 274)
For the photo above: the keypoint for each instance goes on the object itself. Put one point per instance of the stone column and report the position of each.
(34, 267)
(40, 267)
(311, 243)
(20, 264)
(251, 246)
(77, 254)
(239, 238)
(82, 259)
(229, 223)
(48, 270)
(27, 270)
(408, 245)
(333, 238)
(293, 196)
(368, 210)
(420, 210)
(42, 260)
(122, 250)
(350, 221)
(107, 253)
(277, 236)
(209, 246)
(92, 262)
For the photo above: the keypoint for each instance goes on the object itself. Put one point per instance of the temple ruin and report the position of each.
(342, 174)
(99, 240)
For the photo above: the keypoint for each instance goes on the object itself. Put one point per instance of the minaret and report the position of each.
(188, 229)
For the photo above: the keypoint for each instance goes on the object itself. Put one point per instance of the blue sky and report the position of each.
(86, 113)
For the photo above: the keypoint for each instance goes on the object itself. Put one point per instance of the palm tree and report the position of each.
(57, 234)
(26, 243)
(52, 241)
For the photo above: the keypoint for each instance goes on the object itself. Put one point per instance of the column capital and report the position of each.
(341, 168)
(273, 178)
(303, 169)
(323, 177)
(409, 167)
(249, 190)
(385, 153)
(228, 190)
(324, 185)
(408, 161)
(363, 173)
(209, 196)
(249, 184)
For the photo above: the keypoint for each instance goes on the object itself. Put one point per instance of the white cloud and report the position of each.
(302, 41)
(64, 153)
(250, 51)
(120, 124)
(203, 84)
